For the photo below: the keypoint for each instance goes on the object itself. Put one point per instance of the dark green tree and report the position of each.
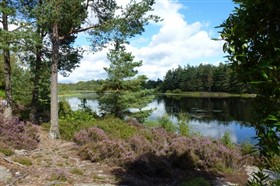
(122, 94)
(252, 41)
(10, 40)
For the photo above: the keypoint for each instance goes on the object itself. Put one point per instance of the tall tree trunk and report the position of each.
(35, 92)
(7, 69)
(54, 130)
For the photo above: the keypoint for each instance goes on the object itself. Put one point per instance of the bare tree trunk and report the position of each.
(7, 69)
(54, 130)
(35, 92)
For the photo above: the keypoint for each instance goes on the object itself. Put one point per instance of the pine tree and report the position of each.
(122, 94)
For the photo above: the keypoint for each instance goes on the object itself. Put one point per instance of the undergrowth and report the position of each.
(148, 151)
(18, 134)
(152, 151)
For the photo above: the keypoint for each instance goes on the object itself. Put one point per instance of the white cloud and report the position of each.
(176, 43)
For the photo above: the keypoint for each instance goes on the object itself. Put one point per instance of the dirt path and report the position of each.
(56, 162)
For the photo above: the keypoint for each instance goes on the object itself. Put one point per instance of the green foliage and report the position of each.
(203, 78)
(274, 163)
(226, 140)
(252, 37)
(247, 148)
(116, 127)
(197, 181)
(177, 91)
(165, 123)
(23, 160)
(183, 122)
(259, 179)
(77, 171)
(151, 124)
(121, 94)
(2, 94)
(64, 108)
(74, 122)
(22, 86)
(6, 150)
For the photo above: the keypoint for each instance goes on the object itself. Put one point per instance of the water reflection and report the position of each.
(209, 116)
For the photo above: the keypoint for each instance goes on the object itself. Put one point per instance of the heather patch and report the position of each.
(18, 134)
(155, 152)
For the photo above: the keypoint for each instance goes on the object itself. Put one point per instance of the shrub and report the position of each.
(64, 108)
(226, 140)
(75, 121)
(183, 122)
(168, 92)
(108, 151)
(18, 134)
(165, 123)
(246, 148)
(116, 142)
(116, 128)
(177, 91)
(92, 134)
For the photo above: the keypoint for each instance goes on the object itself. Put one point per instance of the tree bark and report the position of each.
(35, 92)
(54, 130)
(7, 69)
(33, 116)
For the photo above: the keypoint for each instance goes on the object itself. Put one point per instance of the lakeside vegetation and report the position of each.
(90, 93)
(32, 55)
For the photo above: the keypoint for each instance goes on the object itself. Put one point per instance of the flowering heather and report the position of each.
(92, 134)
(18, 134)
(109, 151)
(150, 151)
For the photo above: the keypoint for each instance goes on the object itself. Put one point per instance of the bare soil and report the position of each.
(56, 162)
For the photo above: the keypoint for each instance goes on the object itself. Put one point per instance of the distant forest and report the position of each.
(202, 78)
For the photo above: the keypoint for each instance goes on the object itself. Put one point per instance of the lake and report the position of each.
(209, 116)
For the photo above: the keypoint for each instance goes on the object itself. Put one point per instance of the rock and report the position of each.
(250, 170)
(5, 175)
(220, 182)
(21, 152)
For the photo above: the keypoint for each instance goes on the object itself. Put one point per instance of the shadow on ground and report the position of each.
(152, 170)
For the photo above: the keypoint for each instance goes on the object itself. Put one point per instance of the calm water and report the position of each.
(209, 116)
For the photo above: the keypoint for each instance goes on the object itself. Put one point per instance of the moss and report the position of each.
(23, 160)
(5, 150)
(77, 171)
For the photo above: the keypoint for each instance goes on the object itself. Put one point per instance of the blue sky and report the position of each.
(183, 37)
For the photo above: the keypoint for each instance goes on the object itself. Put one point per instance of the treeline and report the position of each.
(202, 78)
(92, 85)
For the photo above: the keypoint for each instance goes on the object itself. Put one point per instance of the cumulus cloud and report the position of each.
(176, 42)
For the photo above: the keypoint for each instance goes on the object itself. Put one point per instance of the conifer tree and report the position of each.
(122, 94)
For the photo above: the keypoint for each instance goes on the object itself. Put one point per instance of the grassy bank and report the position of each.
(169, 93)
(76, 93)
(208, 94)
